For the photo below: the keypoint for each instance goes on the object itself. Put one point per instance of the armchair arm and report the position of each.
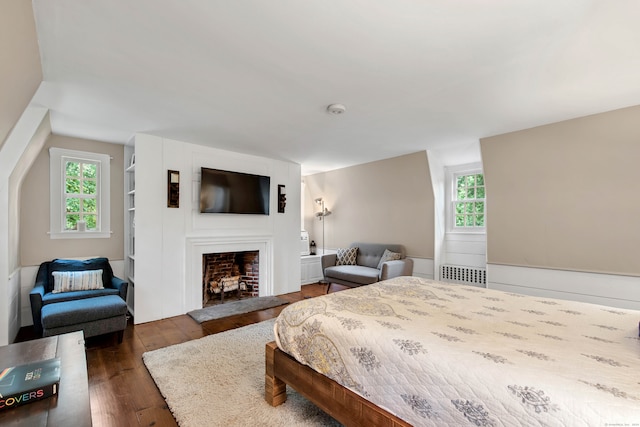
(400, 267)
(328, 260)
(121, 286)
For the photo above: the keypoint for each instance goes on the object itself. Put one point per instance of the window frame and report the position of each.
(452, 174)
(57, 171)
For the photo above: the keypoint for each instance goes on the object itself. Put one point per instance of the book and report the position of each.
(29, 382)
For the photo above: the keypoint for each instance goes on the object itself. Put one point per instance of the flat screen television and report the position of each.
(233, 192)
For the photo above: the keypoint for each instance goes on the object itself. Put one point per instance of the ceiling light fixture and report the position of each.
(336, 109)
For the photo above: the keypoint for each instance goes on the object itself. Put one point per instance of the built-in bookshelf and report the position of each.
(130, 225)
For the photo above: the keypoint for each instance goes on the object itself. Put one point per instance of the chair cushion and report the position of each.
(352, 273)
(67, 281)
(51, 298)
(81, 265)
(81, 311)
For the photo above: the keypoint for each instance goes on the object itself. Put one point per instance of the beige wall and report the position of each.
(21, 72)
(35, 244)
(388, 201)
(563, 196)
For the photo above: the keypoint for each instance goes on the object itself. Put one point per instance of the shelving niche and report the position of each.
(130, 226)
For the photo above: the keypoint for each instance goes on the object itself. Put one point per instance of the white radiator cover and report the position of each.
(464, 274)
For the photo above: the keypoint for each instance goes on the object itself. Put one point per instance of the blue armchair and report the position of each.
(95, 311)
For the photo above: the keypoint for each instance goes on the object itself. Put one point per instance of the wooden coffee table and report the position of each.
(71, 407)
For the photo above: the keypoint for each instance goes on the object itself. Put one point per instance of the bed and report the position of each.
(411, 351)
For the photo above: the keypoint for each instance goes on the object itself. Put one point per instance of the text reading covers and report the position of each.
(28, 383)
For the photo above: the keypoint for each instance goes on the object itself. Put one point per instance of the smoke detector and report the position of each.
(336, 109)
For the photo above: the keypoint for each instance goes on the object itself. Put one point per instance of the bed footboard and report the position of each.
(339, 402)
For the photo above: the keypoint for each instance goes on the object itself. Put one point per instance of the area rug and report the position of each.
(218, 380)
(236, 307)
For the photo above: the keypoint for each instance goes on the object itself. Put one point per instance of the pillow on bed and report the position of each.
(347, 256)
(388, 256)
(67, 281)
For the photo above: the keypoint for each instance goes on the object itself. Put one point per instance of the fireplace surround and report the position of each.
(197, 247)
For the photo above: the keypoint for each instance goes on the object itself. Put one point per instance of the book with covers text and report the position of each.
(28, 383)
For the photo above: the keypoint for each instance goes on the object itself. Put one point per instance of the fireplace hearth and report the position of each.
(229, 275)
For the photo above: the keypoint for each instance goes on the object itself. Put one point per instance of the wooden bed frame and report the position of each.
(339, 402)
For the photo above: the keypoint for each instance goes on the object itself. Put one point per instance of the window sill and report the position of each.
(80, 235)
(466, 231)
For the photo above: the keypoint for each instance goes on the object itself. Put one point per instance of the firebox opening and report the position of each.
(229, 276)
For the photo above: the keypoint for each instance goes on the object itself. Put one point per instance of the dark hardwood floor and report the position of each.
(122, 391)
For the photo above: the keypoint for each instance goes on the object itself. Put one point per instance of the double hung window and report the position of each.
(466, 199)
(79, 194)
(469, 201)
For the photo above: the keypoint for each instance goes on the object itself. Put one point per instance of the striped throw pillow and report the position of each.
(67, 281)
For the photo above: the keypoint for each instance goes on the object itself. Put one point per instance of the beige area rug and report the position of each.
(219, 381)
(232, 308)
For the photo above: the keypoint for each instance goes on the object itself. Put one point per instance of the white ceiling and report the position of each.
(255, 76)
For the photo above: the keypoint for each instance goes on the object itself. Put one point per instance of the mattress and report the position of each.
(434, 353)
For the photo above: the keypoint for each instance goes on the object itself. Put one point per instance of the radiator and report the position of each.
(462, 274)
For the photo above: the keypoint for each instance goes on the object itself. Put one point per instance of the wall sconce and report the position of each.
(282, 198)
(173, 189)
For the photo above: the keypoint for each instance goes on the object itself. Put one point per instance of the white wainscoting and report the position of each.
(468, 249)
(27, 280)
(606, 289)
(423, 267)
(14, 304)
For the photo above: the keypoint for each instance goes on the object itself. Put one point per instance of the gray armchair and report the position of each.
(368, 268)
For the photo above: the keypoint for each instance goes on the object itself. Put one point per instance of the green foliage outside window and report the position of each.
(72, 221)
(81, 193)
(470, 204)
(89, 170)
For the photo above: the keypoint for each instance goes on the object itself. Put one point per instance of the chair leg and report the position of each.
(328, 287)
(120, 336)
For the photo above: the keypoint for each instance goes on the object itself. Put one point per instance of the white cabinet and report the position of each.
(311, 269)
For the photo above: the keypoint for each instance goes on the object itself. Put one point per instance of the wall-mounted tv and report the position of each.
(233, 192)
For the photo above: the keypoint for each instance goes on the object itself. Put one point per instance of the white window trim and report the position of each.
(451, 173)
(57, 230)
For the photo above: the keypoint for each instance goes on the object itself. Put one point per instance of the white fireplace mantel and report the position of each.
(196, 247)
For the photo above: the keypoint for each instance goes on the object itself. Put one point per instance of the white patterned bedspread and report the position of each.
(434, 353)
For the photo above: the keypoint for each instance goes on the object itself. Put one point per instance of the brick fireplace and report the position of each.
(198, 246)
(233, 270)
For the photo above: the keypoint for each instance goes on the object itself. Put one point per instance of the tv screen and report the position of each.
(233, 192)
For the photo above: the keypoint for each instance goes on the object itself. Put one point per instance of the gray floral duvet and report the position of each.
(435, 353)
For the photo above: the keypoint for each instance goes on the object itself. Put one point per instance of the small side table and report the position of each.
(71, 407)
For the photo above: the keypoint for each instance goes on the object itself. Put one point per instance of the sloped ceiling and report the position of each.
(256, 76)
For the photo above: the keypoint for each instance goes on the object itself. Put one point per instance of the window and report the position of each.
(467, 199)
(79, 194)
